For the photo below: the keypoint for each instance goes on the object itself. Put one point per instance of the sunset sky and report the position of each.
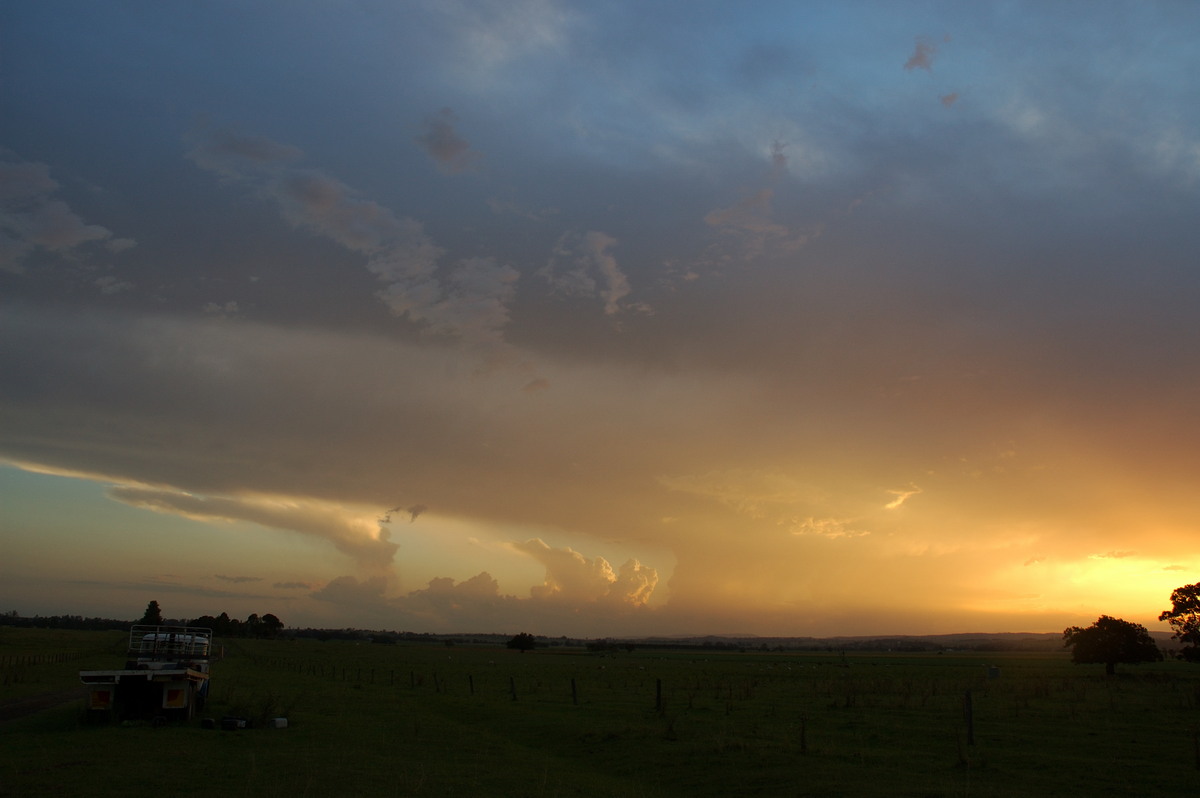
(601, 319)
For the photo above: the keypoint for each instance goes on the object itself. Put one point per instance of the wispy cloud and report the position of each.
(751, 220)
(443, 144)
(583, 265)
(32, 218)
(237, 579)
(901, 497)
(468, 301)
(923, 54)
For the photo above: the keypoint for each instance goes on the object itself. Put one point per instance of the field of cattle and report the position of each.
(401, 720)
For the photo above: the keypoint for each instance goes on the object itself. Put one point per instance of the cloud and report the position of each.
(231, 153)
(949, 100)
(575, 579)
(237, 579)
(356, 594)
(511, 207)
(224, 311)
(468, 301)
(30, 218)
(831, 528)
(441, 143)
(923, 54)
(351, 533)
(901, 497)
(112, 285)
(583, 266)
(751, 219)
(756, 494)
(293, 585)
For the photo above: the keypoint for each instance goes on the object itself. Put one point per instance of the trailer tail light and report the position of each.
(175, 695)
(100, 698)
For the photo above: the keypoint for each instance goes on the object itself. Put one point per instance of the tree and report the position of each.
(271, 625)
(523, 642)
(153, 614)
(1111, 640)
(1184, 617)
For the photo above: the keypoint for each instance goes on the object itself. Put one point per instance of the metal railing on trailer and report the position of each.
(157, 642)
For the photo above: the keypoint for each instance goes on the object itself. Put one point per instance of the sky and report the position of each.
(601, 319)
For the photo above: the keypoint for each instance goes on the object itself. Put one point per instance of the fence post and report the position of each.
(969, 717)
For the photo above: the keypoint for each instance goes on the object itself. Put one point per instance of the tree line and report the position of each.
(267, 626)
(1110, 641)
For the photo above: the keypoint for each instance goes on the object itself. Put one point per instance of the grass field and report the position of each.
(403, 720)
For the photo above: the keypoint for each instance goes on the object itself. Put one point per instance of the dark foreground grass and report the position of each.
(431, 720)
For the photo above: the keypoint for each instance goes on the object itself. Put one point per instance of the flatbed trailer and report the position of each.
(165, 675)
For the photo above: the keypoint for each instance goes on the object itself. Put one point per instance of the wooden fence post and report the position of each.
(969, 717)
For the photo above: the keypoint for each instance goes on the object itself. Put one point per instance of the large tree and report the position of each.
(523, 642)
(153, 614)
(1111, 640)
(1184, 617)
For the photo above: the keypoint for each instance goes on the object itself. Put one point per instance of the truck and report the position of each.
(165, 676)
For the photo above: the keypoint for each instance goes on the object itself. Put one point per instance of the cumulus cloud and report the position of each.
(351, 533)
(582, 265)
(574, 578)
(353, 592)
(468, 301)
(32, 218)
(443, 144)
(444, 595)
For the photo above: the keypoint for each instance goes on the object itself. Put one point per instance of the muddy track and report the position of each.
(20, 707)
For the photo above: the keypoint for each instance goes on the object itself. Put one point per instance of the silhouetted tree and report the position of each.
(1111, 640)
(523, 642)
(271, 626)
(153, 614)
(1184, 617)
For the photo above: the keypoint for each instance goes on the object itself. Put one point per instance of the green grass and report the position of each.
(430, 720)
